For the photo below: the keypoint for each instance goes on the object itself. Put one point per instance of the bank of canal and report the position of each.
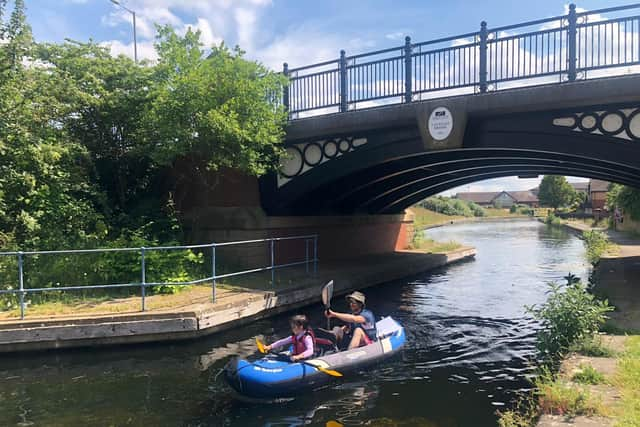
(469, 350)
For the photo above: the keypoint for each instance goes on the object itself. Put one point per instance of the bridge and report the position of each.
(374, 133)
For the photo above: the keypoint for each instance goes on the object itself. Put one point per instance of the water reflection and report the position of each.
(470, 344)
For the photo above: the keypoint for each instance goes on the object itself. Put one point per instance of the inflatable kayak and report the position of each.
(272, 377)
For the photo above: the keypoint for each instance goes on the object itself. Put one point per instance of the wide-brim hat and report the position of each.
(356, 296)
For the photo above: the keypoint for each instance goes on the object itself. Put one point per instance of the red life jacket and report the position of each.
(298, 343)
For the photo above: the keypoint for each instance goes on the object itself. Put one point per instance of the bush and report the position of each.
(597, 243)
(449, 206)
(551, 219)
(558, 398)
(593, 347)
(587, 375)
(570, 315)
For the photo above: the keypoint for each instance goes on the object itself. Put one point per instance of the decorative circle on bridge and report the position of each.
(612, 123)
(330, 149)
(633, 125)
(588, 122)
(313, 154)
(344, 145)
(293, 164)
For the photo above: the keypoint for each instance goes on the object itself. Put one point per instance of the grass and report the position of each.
(592, 347)
(556, 397)
(432, 246)
(425, 218)
(198, 294)
(587, 375)
(628, 382)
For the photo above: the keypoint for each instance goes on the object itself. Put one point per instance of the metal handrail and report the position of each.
(491, 56)
(310, 261)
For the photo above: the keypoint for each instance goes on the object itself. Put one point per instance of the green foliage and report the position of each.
(569, 315)
(626, 198)
(93, 149)
(555, 191)
(593, 347)
(551, 219)
(628, 380)
(597, 243)
(449, 206)
(216, 109)
(586, 374)
(521, 209)
(557, 398)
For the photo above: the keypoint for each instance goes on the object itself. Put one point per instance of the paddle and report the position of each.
(327, 293)
(331, 372)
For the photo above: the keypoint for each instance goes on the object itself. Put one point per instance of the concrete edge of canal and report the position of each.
(204, 319)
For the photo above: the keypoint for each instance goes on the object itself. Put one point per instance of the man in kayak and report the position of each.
(361, 321)
(301, 337)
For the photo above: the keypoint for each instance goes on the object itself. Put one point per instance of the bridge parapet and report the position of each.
(578, 45)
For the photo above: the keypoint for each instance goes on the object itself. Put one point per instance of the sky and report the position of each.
(292, 31)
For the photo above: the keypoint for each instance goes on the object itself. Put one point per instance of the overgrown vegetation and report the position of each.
(625, 198)
(628, 381)
(551, 219)
(596, 243)
(97, 151)
(592, 346)
(556, 397)
(587, 374)
(419, 241)
(570, 315)
(451, 206)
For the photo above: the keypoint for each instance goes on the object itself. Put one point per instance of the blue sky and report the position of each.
(298, 32)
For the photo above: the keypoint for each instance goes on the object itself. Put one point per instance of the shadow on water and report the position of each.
(469, 352)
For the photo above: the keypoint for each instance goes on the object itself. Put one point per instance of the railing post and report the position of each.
(306, 254)
(143, 274)
(21, 282)
(285, 89)
(344, 103)
(213, 270)
(315, 254)
(408, 95)
(571, 41)
(273, 271)
(484, 36)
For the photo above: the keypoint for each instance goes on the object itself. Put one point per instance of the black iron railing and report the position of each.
(562, 48)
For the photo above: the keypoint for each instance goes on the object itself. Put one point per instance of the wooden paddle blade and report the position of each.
(261, 348)
(334, 424)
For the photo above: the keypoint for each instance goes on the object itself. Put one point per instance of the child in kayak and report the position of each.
(301, 337)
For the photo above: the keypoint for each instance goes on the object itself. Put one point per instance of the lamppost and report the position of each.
(135, 42)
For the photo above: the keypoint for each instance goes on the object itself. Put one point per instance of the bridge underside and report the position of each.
(398, 166)
(394, 186)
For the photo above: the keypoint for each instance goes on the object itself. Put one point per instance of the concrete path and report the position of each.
(607, 393)
(93, 324)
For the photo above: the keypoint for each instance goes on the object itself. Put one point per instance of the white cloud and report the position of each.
(510, 183)
(145, 49)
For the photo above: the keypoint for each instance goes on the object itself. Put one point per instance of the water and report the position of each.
(469, 352)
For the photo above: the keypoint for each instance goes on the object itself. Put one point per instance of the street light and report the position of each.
(135, 42)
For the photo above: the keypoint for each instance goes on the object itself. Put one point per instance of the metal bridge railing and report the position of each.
(310, 262)
(562, 48)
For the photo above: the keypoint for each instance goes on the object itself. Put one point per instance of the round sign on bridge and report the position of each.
(440, 123)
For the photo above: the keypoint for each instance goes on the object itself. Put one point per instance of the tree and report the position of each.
(627, 198)
(215, 110)
(555, 191)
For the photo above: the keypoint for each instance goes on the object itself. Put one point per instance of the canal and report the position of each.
(469, 352)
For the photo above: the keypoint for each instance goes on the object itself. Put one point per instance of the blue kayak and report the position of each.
(272, 377)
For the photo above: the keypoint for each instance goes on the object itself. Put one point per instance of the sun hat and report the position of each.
(356, 296)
